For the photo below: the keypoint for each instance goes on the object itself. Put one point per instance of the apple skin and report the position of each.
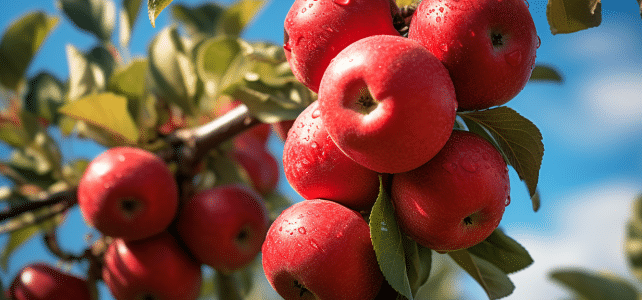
(153, 268)
(125, 188)
(224, 227)
(466, 37)
(319, 249)
(40, 281)
(388, 103)
(457, 199)
(317, 169)
(260, 165)
(316, 31)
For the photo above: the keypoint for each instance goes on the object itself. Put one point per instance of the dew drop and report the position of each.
(514, 58)
(507, 202)
(301, 230)
(469, 166)
(314, 245)
(315, 145)
(303, 10)
(539, 42)
(441, 9)
(281, 228)
(527, 4)
(443, 47)
(121, 158)
(316, 114)
(438, 19)
(450, 167)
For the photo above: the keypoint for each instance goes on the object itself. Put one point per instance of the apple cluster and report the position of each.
(388, 98)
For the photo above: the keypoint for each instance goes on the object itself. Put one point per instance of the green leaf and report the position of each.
(271, 106)
(633, 246)
(16, 239)
(640, 3)
(106, 111)
(130, 79)
(502, 251)
(213, 59)
(518, 139)
(492, 279)
(591, 286)
(567, 16)
(128, 16)
(94, 16)
(19, 45)
(546, 73)
(85, 76)
(154, 8)
(418, 264)
(387, 241)
(239, 14)
(33, 166)
(45, 95)
(535, 199)
(203, 19)
(402, 3)
(101, 57)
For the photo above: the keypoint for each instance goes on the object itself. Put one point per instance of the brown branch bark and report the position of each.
(68, 197)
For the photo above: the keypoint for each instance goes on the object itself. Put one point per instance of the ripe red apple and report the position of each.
(128, 193)
(319, 249)
(224, 227)
(316, 31)
(387, 103)
(39, 281)
(259, 164)
(457, 199)
(317, 169)
(488, 46)
(153, 268)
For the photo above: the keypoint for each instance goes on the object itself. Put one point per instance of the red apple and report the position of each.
(319, 249)
(128, 193)
(259, 164)
(224, 227)
(316, 31)
(387, 103)
(317, 169)
(39, 281)
(457, 199)
(153, 268)
(488, 46)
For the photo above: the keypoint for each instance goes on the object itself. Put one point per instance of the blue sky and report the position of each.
(591, 124)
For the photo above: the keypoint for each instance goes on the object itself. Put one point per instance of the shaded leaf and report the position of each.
(94, 16)
(33, 166)
(19, 44)
(154, 8)
(418, 263)
(546, 73)
(592, 286)
(633, 246)
(535, 199)
(567, 16)
(640, 3)
(502, 251)
(16, 239)
(106, 111)
(239, 14)
(101, 57)
(45, 95)
(203, 19)
(130, 79)
(85, 76)
(271, 106)
(387, 241)
(128, 16)
(492, 279)
(518, 139)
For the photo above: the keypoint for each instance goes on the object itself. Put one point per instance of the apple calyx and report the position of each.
(365, 102)
(130, 206)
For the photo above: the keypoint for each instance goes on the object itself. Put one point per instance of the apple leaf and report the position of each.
(130, 79)
(535, 199)
(388, 244)
(45, 95)
(19, 45)
(517, 138)
(640, 3)
(128, 16)
(633, 246)
(94, 16)
(16, 239)
(85, 76)
(591, 286)
(203, 19)
(213, 59)
(238, 15)
(546, 73)
(154, 8)
(503, 252)
(418, 263)
(106, 111)
(492, 279)
(567, 16)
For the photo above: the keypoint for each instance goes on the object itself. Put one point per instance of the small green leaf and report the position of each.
(101, 57)
(518, 139)
(492, 279)
(633, 246)
(402, 3)
(546, 73)
(19, 45)
(535, 199)
(154, 8)
(567, 16)
(213, 60)
(33, 166)
(203, 19)
(239, 14)
(85, 76)
(106, 111)
(45, 95)
(387, 241)
(273, 106)
(16, 239)
(591, 286)
(130, 79)
(94, 16)
(128, 16)
(502, 251)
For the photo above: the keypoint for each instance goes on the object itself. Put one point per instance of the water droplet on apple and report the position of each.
(514, 58)
(310, 6)
(303, 10)
(438, 19)
(469, 166)
(281, 228)
(527, 4)
(450, 167)
(472, 33)
(441, 9)
(443, 47)
(507, 202)
(301, 230)
(342, 2)
(314, 245)
(121, 158)
(316, 113)
(539, 42)
(315, 145)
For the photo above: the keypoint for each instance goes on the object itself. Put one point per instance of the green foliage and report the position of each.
(640, 3)
(94, 16)
(503, 252)
(19, 45)
(46, 94)
(591, 286)
(491, 278)
(203, 19)
(633, 246)
(85, 76)
(128, 16)
(546, 73)
(239, 15)
(567, 16)
(154, 8)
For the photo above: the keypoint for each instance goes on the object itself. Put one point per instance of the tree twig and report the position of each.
(68, 197)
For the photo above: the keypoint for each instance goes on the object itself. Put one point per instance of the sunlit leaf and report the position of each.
(85, 76)
(33, 166)
(502, 251)
(154, 8)
(401, 3)
(546, 73)
(239, 14)
(45, 95)
(203, 19)
(214, 57)
(592, 286)
(97, 17)
(130, 79)
(567, 16)
(107, 111)
(19, 44)
(387, 241)
(128, 16)
(492, 279)
(519, 140)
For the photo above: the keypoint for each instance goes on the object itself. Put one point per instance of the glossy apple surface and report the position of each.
(317, 169)
(40, 281)
(128, 193)
(457, 199)
(260, 165)
(224, 227)
(387, 103)
(316, 31)
(488, 46)
(319, 249)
